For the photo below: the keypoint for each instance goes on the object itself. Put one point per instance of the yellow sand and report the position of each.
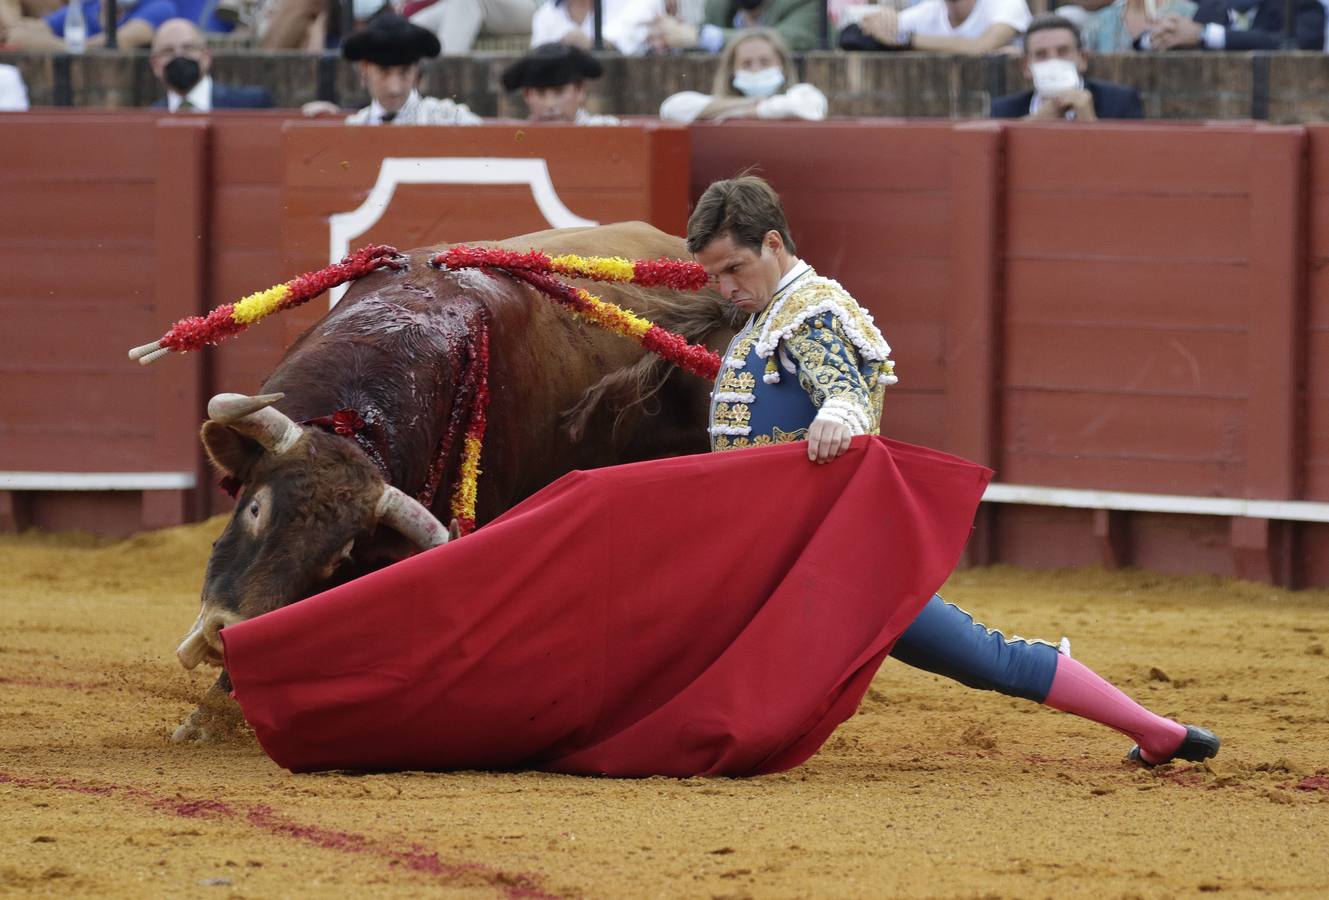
(932, 790)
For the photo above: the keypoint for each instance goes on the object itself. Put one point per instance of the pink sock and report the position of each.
(1078, 690)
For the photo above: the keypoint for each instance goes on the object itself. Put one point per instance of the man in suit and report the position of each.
(1054, 62)
(180, 60)
(1240, 25)
(796, 20)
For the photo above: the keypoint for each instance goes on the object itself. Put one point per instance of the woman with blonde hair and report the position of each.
(755, 80)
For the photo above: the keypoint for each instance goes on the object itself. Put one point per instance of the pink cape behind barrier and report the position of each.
(716, 614)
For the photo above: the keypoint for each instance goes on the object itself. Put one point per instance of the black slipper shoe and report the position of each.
(1200, 744)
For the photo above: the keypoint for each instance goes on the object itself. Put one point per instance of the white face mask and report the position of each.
(762, 83)
(363, 9)
(1055, 76)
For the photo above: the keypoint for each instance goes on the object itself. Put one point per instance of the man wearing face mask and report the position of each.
(387, 53)
(181, 62)
(755, 80)
(797, 21)
(552, 80)
(1054, 62)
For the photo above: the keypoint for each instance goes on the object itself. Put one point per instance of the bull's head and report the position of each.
(307, 498)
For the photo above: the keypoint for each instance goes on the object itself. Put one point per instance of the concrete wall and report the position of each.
(1279, 87)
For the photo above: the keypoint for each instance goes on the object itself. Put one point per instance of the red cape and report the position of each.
(716, 614)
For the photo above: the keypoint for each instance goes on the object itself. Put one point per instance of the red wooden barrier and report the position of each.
(1132, 309)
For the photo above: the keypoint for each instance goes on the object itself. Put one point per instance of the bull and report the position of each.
(315, 509)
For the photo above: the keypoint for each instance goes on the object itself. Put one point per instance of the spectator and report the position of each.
(566, 21)
(1239, 25)
(950, 26)
(300, 24)
(13, 92)
(181, 62)
(798, 21)
(1116, 27)
(755, 66)
(631, 27)
(552, 80)
(458, 22)
(1054, 63)
(388, 52)
(137, 23)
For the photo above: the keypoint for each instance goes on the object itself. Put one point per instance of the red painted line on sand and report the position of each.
(1312, 783)
(413, 857)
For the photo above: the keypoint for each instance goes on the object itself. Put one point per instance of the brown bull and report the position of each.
(314, 509)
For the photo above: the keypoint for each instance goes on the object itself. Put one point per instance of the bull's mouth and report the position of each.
(203, 644)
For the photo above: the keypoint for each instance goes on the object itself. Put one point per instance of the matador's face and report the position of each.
(743, 276)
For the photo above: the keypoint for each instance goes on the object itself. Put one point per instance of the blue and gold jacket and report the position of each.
(813, 351)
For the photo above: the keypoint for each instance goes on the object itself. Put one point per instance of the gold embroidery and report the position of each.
(734, 381)
(734, 415)
(815, 292)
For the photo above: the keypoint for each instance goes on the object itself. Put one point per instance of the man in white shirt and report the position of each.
(181, 62)
(13, 92)
(552, 80)
(388, 52)
(971, 27)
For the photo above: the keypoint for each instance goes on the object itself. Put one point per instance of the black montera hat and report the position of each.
(390, 40)
(551, 65)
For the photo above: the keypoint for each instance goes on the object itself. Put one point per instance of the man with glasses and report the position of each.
(181, 62)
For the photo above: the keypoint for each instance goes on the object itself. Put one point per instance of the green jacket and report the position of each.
(798, 21)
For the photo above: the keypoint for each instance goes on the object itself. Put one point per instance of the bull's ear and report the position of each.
(230, 451)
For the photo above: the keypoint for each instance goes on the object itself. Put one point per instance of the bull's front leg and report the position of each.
(216, 719)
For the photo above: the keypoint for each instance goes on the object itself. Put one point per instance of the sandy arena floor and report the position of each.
(932, 790)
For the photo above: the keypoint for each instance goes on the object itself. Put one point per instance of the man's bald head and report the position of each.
(178, 37)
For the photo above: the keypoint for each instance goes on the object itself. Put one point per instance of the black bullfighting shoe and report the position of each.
(1200, 744)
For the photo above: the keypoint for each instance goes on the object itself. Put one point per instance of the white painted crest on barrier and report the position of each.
(476, 170)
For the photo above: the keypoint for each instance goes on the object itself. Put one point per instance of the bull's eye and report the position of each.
(253, 509)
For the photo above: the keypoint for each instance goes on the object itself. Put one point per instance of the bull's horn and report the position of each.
(255, 418)
(203, 643)
(409, 517)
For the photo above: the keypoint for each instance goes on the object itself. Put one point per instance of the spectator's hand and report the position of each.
(668, 33)
(827, 439)
(320, 108)
(576, 38)
(883, 26)
(1081, 102)
(801, 101)
(1176, 33)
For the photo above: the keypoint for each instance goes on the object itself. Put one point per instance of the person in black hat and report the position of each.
(552, 79)
(387, 52)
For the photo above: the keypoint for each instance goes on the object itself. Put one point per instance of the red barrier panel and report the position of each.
(117, 225)
(1137, 309)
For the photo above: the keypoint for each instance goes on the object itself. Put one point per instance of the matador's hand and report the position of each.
(827, 439)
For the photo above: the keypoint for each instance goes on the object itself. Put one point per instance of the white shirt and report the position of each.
(200, 97)
(586, 118)
(929, 17)
(627, 22)
(802, 101)
(13, 92)
(418, 110)
(551, 22)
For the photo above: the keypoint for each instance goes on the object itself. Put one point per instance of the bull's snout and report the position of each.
(203, 643)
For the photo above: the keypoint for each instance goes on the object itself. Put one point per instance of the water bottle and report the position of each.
(76, 28)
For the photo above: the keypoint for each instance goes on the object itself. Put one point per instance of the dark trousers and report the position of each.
(946, 640)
